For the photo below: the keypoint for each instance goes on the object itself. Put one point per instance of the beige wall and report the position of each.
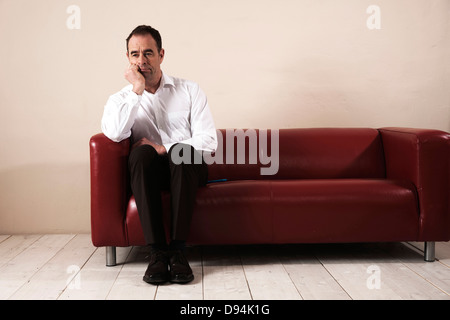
(263, 64)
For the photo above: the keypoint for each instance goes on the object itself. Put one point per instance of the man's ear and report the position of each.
(161, 54)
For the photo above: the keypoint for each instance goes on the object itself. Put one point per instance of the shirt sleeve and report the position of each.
(119, 114)
(203, 130)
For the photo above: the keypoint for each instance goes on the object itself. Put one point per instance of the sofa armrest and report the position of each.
(423, 157)
(109, 196)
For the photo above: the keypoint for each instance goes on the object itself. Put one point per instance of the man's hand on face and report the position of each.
(136, 78)
(161, 150)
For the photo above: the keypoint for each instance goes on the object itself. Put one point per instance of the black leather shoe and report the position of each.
(180, 271)
(157, 270)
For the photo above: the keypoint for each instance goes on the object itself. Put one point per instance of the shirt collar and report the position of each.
(166, 80)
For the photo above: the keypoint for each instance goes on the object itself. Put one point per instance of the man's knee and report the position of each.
(142, 154)
(181, 153)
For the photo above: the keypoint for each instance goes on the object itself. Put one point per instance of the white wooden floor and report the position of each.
(70, 267)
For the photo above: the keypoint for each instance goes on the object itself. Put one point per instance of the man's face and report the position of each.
(143, 52)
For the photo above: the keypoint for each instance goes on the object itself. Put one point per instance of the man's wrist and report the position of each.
(138, 89)
(162, 149)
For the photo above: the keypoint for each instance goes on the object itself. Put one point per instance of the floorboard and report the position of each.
(52, 279)
(18, 271)
(223, 274)
(312, 279)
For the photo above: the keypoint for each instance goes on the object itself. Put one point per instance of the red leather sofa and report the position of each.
(332, 185)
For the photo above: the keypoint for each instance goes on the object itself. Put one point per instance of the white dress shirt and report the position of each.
(177, 112)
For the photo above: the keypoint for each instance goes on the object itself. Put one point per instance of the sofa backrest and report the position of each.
(313, 153)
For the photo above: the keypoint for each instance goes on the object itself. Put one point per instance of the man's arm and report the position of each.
(119, 114)
(121, 108)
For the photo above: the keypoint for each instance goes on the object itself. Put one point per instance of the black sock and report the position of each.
(177, 245)
(158, 247)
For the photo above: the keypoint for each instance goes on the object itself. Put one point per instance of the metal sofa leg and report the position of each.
(110, 256)
(429, 254)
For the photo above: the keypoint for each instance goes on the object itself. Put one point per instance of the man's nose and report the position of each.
(141, 59)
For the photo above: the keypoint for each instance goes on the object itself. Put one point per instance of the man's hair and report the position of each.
(144, 30)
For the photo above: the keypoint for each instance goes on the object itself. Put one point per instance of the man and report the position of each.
(168, 119)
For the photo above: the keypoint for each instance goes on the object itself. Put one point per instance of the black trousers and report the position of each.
(150, 174)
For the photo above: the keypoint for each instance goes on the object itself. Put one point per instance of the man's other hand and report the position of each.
(161, 150)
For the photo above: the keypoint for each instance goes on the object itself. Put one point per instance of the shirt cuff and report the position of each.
(134, 98)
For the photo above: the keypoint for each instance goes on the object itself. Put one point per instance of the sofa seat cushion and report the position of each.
(242, 206)
(298, 211)
(353, 210)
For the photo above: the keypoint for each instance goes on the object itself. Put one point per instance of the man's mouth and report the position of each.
(144, 69)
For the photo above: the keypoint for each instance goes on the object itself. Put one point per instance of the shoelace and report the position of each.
(178, 258)
(158, 256)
